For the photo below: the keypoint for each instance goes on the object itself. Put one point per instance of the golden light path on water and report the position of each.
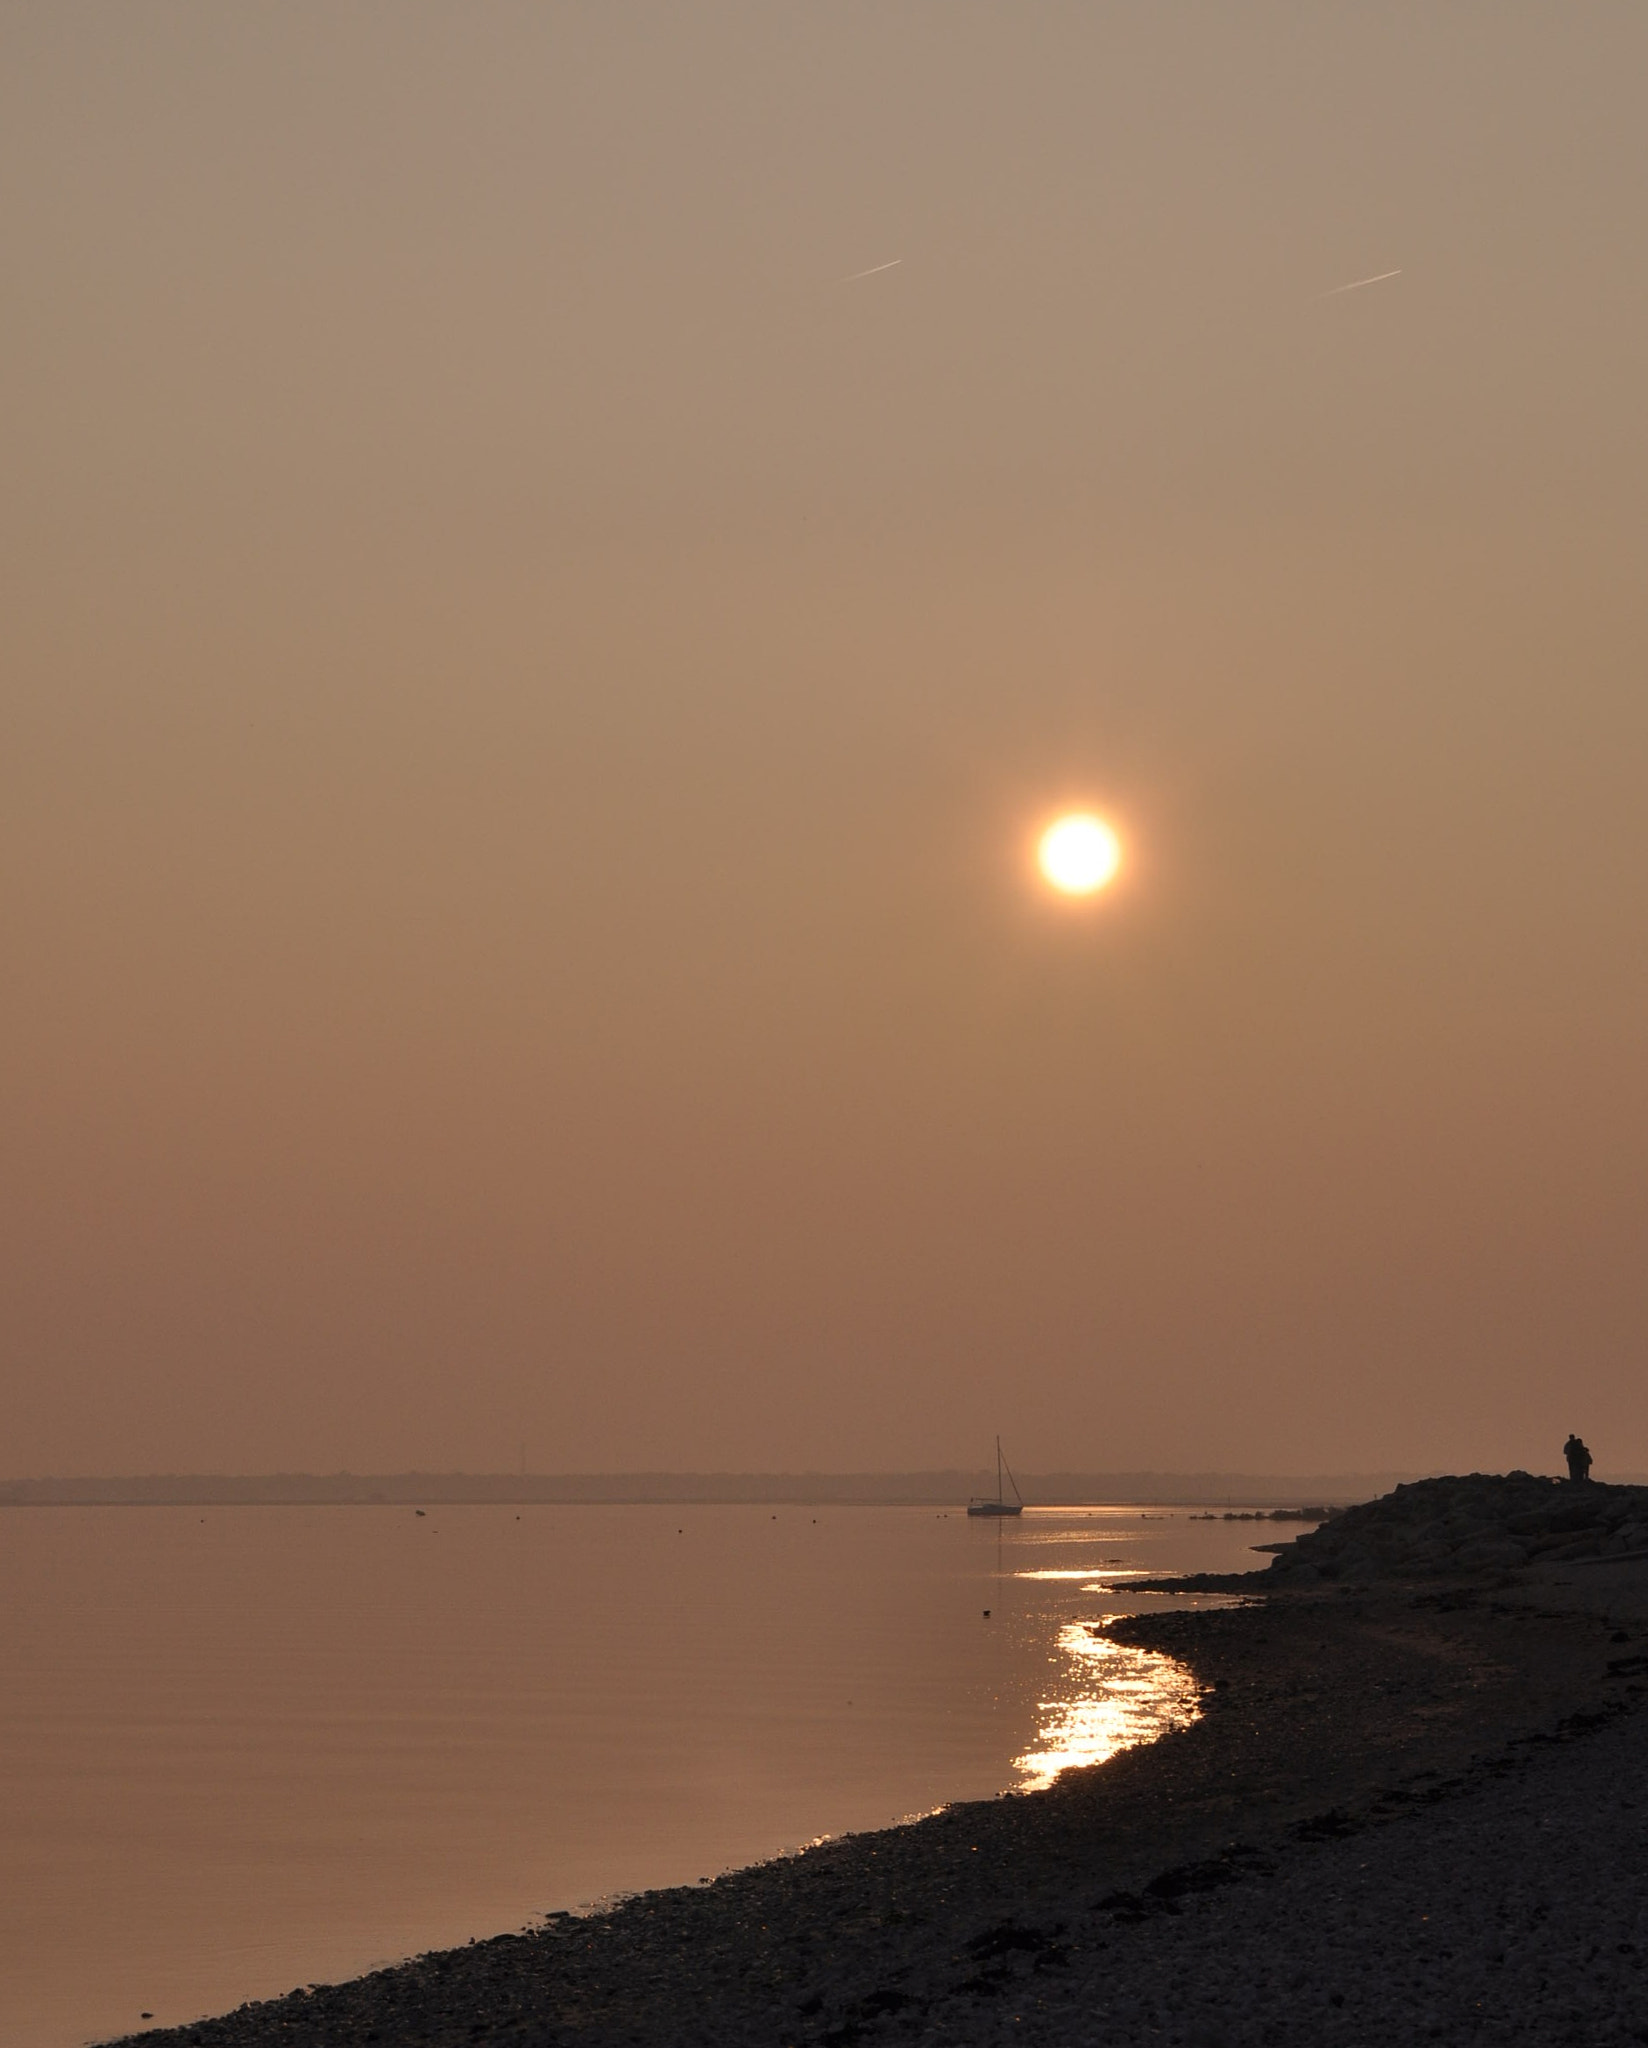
(1119, 1697)
(1086, 1573)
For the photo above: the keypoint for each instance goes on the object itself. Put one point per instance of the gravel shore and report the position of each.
(1412, 1810)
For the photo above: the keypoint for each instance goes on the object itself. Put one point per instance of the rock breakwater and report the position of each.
(1465, 1527)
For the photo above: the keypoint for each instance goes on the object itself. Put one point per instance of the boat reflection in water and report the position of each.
(1119, 1697)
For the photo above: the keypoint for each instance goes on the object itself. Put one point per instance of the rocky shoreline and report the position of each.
(1412, 1809)
(1484, 1523)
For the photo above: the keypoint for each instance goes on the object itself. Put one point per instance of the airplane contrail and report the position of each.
(873, 270)
(1358, 284)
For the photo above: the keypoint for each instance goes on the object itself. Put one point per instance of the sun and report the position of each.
(1079, 853)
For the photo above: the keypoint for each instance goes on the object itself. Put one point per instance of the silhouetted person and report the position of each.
(1579, 1458)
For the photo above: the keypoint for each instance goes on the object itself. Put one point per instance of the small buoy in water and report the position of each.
(987, 1614)
(419, 1513)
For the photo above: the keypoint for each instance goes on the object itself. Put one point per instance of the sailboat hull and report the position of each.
(982, 1504)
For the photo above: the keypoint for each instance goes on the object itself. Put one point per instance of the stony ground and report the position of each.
(1483, 1523)
(1513, 1911)
(1411, 1811)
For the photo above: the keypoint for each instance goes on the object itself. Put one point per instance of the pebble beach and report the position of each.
(1412, 1808)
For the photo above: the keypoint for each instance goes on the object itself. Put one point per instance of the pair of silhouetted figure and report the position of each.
(1579, 1458)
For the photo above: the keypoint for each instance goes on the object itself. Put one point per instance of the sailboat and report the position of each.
(982, 1504)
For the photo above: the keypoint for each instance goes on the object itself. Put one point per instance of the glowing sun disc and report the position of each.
(1079, 853)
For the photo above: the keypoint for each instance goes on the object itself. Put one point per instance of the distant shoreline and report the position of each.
(683, 1489)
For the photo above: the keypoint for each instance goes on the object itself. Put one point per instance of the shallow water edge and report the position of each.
(1325, 1716)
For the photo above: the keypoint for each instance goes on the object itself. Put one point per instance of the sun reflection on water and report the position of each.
(1090, 1571)
(1119, 1697)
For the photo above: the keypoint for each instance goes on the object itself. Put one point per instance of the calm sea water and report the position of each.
(251, 1748)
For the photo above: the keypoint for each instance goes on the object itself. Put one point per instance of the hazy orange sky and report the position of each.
(526, 699)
